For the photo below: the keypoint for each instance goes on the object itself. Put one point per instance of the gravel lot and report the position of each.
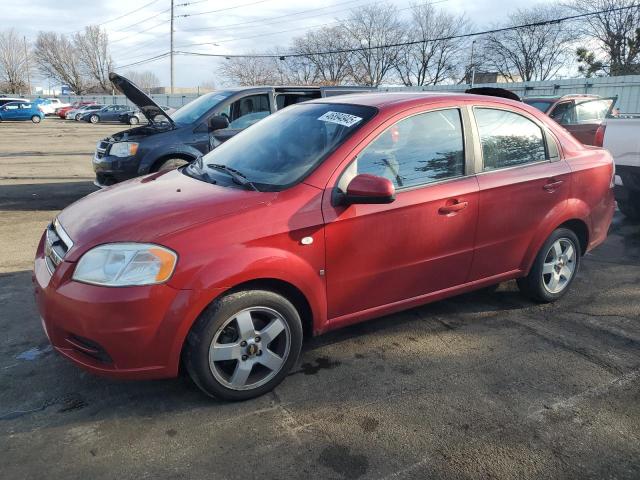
(486, 385)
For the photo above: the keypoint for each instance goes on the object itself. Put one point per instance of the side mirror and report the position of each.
(367, 188)
(218, 122)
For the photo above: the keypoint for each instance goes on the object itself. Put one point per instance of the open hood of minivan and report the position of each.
(150, 109)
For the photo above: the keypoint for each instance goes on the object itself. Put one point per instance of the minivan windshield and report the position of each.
(283, 148)
(192, 111)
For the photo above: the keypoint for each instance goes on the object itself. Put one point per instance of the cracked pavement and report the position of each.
(484, 385)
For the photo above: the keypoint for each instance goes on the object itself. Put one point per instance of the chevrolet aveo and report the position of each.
(322, 215)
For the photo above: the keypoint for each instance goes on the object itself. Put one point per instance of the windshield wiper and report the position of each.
(237, 176)
(198, 169)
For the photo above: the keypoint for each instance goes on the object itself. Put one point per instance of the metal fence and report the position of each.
(626, 88)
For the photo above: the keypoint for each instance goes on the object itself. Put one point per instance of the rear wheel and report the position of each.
(554, 268)
(94, 119)
(172, 164)
(36, 119)
(631, 206)
(244, 344)
(134, 120)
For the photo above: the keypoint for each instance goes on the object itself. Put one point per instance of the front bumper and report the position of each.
(127, 332)
(110, 170)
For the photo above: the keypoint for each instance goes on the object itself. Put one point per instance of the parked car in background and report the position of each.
(324, 214)
(62, 112)
(109, 113)
(135, 117)
(582, 115)
(21, 111)
(622, 139)
(5, 100)
(45, 105)
(169, 141)
(57, 104)
(78, 113)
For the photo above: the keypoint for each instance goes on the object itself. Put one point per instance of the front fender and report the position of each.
(573, 209)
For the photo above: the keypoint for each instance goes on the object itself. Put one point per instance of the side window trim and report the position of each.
(467, 145)
(543, 128)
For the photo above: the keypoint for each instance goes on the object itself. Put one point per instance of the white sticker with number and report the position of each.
(340, 118)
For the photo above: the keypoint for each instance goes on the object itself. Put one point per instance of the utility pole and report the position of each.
(171, 49)
(473, 67)
(26, 58)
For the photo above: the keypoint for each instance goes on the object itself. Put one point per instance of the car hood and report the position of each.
(148, 208)
(147, 106)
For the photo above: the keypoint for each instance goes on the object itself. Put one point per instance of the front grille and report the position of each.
(57, 244)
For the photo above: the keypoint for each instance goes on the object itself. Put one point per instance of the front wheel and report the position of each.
(78, 117)
(244, 344)
(171, 164)
(134, 121)
(554, 268)
(94, 119)
(36, 119)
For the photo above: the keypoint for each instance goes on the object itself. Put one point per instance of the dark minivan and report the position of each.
(169, 141)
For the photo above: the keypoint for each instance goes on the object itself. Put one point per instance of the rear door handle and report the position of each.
(452, 208)
(551, 186)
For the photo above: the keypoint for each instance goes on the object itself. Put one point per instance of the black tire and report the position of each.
(94, 119)
(36, 119)
(171, 164)
(534, 284)
(134, 120)
(210, 325)
(78, 117)
(631, 206)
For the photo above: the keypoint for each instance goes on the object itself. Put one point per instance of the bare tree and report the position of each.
(431, 62)
(57, 57)
(246, 71)
(14, 62)
(92, 46)
(534, 52)
(369, 28)
(616, 33)
(146, 80)
(329, 69)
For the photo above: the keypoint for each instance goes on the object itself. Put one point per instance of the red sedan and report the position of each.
(322, 215)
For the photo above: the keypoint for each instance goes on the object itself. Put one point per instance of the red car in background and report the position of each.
(63, 111)
(324, 214)
(581, 114)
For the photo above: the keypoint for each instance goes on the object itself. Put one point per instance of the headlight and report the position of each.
(126, 264)
(123, 149)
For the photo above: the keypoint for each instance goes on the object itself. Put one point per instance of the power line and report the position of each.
(141, 31)
(142, 21)
(222, 9)
(265, 34)
(141, 62)
(414, 42)
(119, 17)
(263, 22)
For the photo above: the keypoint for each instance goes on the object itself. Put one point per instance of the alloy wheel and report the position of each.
(250, 348)
(559, 265)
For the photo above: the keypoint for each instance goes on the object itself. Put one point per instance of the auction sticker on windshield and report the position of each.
(340, 118)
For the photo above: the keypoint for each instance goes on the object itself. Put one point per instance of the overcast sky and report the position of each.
(244, 26)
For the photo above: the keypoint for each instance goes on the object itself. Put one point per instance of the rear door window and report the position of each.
(508, 139)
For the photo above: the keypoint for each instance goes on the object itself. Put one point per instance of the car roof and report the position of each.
(383, 100)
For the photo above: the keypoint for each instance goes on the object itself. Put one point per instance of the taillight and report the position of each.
(599, 139)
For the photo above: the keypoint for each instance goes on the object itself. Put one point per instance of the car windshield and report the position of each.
(195, 109)
(285, 147)
(542, 105)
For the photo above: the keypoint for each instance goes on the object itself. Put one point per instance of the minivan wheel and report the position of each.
(36, 119)
(94, 119)
(243, 344)
(172, 164)
(134, 121)
(631, 207)
(554, 268)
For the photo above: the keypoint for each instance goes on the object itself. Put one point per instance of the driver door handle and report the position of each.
(552, 185)
(452, 208)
